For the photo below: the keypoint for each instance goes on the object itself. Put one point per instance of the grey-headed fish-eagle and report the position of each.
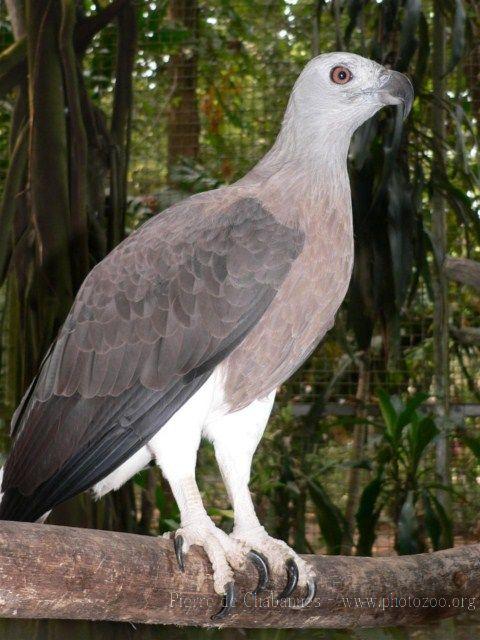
(186, 329)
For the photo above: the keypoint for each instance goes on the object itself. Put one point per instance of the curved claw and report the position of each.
(178, 546)
(292, 579)
(261, 566)
(228, 602)
(311, 591)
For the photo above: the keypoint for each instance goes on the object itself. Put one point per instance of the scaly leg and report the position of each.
(235, 438)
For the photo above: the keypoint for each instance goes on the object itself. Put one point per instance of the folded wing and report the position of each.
(148, 326)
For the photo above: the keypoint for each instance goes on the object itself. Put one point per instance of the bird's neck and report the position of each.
(312, 140)
(305, 171)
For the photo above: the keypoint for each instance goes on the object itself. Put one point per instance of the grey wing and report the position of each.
(148, 327)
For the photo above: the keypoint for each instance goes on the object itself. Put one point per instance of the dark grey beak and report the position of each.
(397, 89)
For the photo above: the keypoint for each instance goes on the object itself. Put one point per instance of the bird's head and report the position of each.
(337, 92)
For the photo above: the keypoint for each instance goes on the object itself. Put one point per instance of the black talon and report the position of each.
(292, 579)
(178, 546)
(311, 591)
(261, 566)
(228, 602)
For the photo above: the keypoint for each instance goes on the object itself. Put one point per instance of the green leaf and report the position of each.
(388, 413)
(411, 406)
(458, 36)
(140, 478)
(330, 519)
(401, 217)
(222, 513)
(473, 443)
(422, 432)
(446, 522)
(169, 524)
(354, 9)
(368, 514)
(423, 54)
(432, 522)
(408, 40)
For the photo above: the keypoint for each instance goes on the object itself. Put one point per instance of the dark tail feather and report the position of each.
(15, 506)
(98, 458)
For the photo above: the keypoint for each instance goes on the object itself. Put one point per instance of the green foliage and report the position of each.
(330, 519)
(249, 54)
(404, 481)
(368, 513)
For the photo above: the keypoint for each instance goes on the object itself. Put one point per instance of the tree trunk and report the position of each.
(52, 213)
(48, 180)
(439, 280)
(121, 118)
(58, 572)
(16, 13)
(359, 436)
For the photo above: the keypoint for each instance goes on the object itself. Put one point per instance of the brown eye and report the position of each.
(340, 75)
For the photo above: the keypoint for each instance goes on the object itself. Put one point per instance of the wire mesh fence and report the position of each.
(210, 87)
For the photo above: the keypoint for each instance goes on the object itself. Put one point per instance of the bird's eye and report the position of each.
(340, 75)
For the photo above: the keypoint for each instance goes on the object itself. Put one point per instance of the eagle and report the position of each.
(187, 328)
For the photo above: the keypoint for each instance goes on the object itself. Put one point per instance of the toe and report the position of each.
(222, 571)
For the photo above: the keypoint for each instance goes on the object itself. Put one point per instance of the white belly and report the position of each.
(202, 415)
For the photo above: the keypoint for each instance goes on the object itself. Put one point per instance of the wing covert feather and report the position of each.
(148, 324)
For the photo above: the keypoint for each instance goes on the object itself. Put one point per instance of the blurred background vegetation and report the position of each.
(111, 111)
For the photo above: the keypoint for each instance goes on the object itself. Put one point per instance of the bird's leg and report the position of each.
(196, 528)
(235, 439)
(176, 452)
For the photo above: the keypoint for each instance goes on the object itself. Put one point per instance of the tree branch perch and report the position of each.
(60, 572)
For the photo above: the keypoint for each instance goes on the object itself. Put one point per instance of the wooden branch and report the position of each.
(12, 185)
(13, 66)
(12, 56)
(88, 28)
(464, 271)
(78, 145)
(468, 336)
(61, 572)
(16, 13)
(120, 127)
(48, 169)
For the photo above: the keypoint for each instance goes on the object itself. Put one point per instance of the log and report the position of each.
(464, 271)
(66, 573)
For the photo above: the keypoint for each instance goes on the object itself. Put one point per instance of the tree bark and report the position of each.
(359, 438)
(439, 281)
(48, 179)
(64, 573)
(463, 271)
(121, 118)
(467, 336)
(16, 13)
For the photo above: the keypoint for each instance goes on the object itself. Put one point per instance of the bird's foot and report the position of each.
(225, 553)
(281, 560)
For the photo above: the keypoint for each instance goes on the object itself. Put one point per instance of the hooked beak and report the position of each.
(397, 89)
